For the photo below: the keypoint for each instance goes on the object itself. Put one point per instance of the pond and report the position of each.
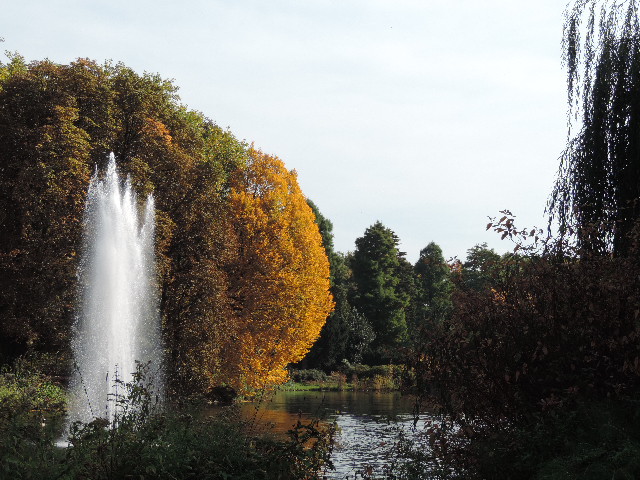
(369, 424)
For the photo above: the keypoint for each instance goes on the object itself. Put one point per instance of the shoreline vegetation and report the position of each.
(151, 441)
(146, 440)
(356, 378)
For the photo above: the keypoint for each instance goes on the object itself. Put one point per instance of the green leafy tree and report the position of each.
(433, 287)
(408, 289)
(326, 229)
(347, 334)
(43, 175)
(379, 292)
(57, 123)
(480, 267)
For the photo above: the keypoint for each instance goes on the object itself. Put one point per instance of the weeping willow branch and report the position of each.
(598, 182)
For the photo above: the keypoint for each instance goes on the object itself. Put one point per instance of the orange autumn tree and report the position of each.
(279, 279)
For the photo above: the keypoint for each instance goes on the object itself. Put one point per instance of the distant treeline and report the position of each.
(384, 304)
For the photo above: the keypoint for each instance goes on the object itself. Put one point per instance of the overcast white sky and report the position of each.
(428, 115)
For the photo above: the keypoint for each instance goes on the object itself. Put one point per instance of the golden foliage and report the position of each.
(279, 280)
(243, 278)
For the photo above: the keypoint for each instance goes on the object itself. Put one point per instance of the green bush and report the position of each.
(147, 442)
(31, 412)
(183, 446)
(312, 375)
(378, 377)
(367, 372)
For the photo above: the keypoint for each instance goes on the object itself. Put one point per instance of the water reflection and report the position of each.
(369, 424)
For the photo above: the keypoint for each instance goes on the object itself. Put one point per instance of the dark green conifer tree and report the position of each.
(480, 267)
(433, 287)
(380, 293)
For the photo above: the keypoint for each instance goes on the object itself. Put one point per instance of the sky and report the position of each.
(427, 115)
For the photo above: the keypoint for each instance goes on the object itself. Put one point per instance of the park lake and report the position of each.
(369, 424)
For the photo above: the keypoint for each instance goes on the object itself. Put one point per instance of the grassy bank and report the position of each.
(361, 378)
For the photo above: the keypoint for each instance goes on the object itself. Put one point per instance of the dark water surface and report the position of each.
(369, 424)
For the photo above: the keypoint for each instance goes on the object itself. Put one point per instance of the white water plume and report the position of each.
(118, 323)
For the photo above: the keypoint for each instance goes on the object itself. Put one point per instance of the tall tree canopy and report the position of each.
(380, 293)
(480, 267)
(433, 286)
(347, 333)
(598, 186)
(279, 278)
(238, 251)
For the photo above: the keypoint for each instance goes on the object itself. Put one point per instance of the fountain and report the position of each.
(118, 322)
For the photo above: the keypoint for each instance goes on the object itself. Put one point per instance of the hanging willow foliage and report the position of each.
(598, 185)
